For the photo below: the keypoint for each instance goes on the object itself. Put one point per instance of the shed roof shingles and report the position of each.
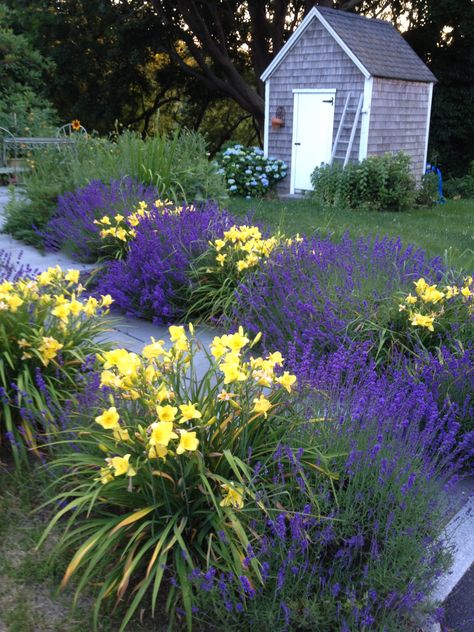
(378, 46)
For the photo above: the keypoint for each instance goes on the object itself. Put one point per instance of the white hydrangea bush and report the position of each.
(248, 173)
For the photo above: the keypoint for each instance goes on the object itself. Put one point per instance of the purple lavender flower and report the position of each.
(72, 227)
(152, 282)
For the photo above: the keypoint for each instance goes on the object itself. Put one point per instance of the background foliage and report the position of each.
(128, 60)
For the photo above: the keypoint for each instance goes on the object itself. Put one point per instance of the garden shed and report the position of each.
(345, 87)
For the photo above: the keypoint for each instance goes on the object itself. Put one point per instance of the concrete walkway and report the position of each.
(132, 333)
(455, 589)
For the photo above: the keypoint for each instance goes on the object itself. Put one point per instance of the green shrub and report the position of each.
(427, 194)
(379, 183)
(461, 187)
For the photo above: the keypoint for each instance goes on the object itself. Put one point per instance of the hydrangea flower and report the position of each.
(249, 173)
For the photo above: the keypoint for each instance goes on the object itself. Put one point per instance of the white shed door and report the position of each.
(312, 134)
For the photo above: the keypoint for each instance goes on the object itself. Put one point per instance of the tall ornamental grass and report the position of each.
(47, 332)
(177, 166)
(163, 484)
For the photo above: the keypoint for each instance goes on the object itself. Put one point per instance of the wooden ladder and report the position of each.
(341, 149)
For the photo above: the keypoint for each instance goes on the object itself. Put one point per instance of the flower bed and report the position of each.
(298, 484)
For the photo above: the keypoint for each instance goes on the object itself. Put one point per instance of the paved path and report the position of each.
(132, 333)
(455, 589)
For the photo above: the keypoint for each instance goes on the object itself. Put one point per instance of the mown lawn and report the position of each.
(29, 597)
(446, 230)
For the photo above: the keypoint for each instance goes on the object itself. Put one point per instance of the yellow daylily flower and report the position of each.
(72, 276)
(234, 496)
(49, 348)
(105, 476)
(286, 380)
(189, 411)
(176, 332)
(90, 307)
(157, 452)
(121, 434)
(121, 465)
(162, 433)
(262, 405)
(163, 393)
(109, 418)
(237, 341)
(422, 321)
(166, 413)
(187, 442)
(62, 311)
(154, 350)
(14, 302)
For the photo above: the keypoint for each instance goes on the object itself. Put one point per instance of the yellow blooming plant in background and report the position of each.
(431, 305)
(430, 310)
(427, 317)
(164, 474)
(117, 231)
(218, 271)
(47, 331)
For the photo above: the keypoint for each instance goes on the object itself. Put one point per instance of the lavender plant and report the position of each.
(369, 563)
(73, 227)
(308, 296)
(153, 281)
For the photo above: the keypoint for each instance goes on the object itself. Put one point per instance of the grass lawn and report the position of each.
(29, 597)
(446, 230)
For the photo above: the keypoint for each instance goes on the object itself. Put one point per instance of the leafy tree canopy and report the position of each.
(23, 73)
(192, 59)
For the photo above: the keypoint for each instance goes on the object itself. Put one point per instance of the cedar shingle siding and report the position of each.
(398, 120)
(399, 108)
(316, 61)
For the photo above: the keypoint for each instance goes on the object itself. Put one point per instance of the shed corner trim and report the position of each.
(267, 119)
(365, 121)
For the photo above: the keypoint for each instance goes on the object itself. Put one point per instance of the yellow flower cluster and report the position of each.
(121, 230)
(51, 302)
(177, 426)
(168, 207)
(227, 351)
(242, 247)
(420, 307)
(124, 228)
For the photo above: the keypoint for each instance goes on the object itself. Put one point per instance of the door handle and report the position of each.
(297, 143)
(331, 101)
